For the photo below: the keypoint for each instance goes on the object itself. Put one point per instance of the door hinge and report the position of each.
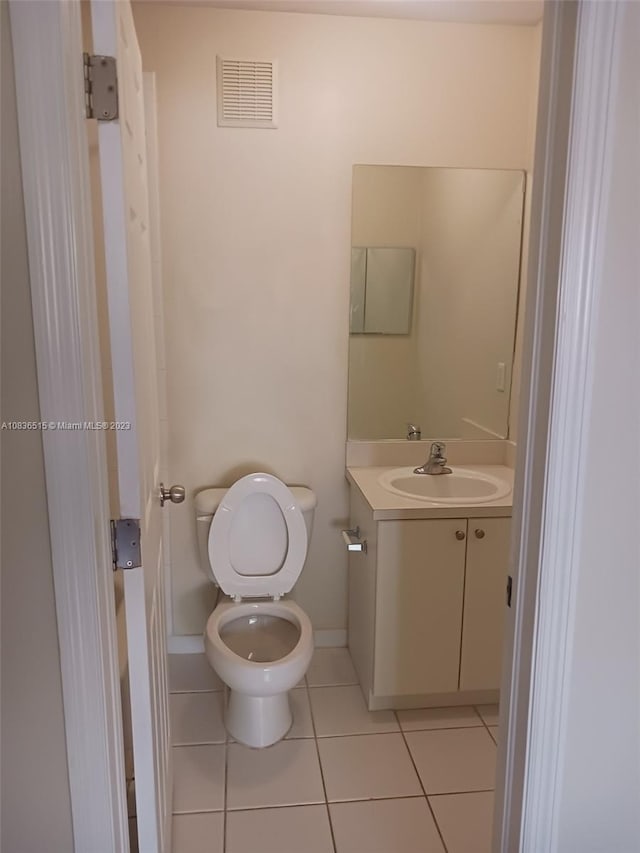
(125, 543)
(100, 87)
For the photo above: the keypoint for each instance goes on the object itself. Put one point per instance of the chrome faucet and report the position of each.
(413, 432)
(437, 461)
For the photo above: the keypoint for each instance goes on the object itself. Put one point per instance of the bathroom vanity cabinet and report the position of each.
(427, 606)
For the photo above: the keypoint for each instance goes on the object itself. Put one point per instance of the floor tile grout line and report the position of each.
(415, 768)
(387, 732)
(199, 743)
(441, 728)
(485, 724)
(337, 802)
(358, 734)
(479, 712)
(459, 793)
(324, 784)
(198, 692)
(343, 734)
(488, 728)
(265, 807)
(226, 777)
(241, 809)
(197, 811)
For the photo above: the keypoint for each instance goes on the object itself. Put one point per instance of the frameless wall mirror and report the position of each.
(435, 270)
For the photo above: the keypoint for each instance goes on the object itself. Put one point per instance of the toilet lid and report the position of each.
(257, 539)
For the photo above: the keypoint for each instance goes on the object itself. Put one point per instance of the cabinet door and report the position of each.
(419, 606)
(484, 603)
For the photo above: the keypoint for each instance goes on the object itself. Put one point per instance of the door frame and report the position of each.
(54, 153)
(580, 57)
(570, 178)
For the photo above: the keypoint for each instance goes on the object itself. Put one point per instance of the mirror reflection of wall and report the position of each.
(451, 373)
(381, 290)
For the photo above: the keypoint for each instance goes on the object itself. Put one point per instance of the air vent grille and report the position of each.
(246, 93)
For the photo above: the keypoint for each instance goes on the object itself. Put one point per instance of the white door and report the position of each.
(125, 199)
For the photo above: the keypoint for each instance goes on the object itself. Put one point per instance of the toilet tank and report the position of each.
(207, 502)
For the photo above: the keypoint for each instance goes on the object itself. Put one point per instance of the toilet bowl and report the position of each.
(253, 542)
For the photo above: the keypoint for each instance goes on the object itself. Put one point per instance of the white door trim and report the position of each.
(580, 289)
(567, 219)
(55, 172)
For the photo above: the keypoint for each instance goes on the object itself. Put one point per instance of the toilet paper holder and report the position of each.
(353, 540)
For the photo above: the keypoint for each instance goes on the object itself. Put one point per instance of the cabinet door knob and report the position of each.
(460, 535)
(479, 533)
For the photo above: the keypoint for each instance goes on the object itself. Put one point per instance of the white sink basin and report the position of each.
(461, 486)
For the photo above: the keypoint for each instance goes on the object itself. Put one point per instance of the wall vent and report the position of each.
(246, 93)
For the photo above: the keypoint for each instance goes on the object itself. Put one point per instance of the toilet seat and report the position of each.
(234, 579)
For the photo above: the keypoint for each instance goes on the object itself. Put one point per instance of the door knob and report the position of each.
(479, 533)
(175, 494)
(460, 535)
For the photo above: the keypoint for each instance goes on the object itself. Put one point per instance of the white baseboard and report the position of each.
(193, 644)
(330, 638)
(185, 644)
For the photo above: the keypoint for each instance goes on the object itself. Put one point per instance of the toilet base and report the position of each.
(258, 720)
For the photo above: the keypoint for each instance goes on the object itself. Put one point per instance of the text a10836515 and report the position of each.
(65, 426)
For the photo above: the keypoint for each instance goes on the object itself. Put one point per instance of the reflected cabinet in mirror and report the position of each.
(434, 296)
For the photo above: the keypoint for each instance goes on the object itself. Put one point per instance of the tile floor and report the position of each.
(344, 780)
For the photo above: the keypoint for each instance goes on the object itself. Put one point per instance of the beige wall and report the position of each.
(534, 82)
(256, 237)
(36, 808)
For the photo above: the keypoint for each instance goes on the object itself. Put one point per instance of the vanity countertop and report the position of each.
(386, 505)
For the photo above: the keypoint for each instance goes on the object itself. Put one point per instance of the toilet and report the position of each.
(252, 540)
